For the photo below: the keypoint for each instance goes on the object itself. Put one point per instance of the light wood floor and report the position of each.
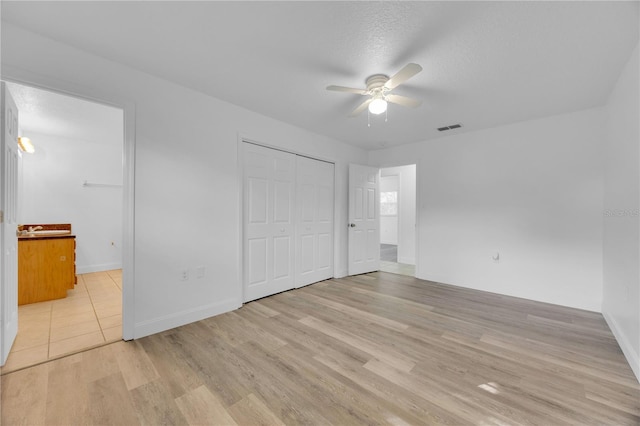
(371, 349)
(90, 315)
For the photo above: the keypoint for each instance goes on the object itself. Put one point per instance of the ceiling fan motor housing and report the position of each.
(375, 83)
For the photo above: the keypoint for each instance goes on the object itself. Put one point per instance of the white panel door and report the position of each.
(314, 221)
(269, 200)
(8, 206)
(364, 219)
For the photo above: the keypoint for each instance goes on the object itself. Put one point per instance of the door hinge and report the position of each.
(1, 216)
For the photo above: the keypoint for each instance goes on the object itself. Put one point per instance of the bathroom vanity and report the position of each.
(46, 262)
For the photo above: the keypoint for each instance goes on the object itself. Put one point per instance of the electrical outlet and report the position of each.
(200, 272)
(184, 274)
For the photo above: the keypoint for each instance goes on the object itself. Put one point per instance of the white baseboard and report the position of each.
(87, 269)
(156, 325)
(632, 356)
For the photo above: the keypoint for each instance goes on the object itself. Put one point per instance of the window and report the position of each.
(389, 203)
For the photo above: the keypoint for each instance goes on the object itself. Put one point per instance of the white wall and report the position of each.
(621, 286)
(52, 192)
(389, 224)
(187, 182)
(531, 191)
(407, 211)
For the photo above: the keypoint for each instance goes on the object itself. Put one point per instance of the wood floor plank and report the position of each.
(252, 411)
(340, 403)
(199, 407)
(67, 395)
(389, 355)
(415, 407)
(261, 309)
(154, 405)
(369, 349)
(24, 396)
(214, 361)
(109, 402)
(137, 369)
(171, 364)
(358, 313)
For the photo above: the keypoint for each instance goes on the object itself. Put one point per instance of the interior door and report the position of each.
(314, 221)
(8, 207)
(364, 219)
(269, 191)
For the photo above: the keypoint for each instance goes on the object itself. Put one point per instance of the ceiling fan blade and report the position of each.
(361, 108)
(403, 100)
(347, 89)
(403, 75)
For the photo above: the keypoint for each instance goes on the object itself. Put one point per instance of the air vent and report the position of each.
(453, 126)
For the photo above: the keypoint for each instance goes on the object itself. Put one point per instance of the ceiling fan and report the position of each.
(378, 89)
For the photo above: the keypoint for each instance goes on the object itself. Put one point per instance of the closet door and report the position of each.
(314, 221)
(269, 200)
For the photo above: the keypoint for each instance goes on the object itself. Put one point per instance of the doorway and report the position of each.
(75, 176)
(398, 219)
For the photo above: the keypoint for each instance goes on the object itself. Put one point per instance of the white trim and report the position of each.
(177, 319)
(128, 222)
(336, 234)
(98, 268)
(416, 263)
(241, 218)
(409, 261)
(95, 94)
(632, 356)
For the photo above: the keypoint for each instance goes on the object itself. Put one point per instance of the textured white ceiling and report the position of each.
(485, 63)
(50, 113)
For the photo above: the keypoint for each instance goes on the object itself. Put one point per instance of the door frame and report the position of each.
(418, 204)
(99, 96)
(243, 138)
(397, 201)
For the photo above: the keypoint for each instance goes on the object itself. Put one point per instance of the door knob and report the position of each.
(352, 225)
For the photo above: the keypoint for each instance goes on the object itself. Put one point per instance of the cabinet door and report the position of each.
(60, 263)
(31, 274)
(46, 269)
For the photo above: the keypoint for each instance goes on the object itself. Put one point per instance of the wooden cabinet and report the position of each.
(46, 268)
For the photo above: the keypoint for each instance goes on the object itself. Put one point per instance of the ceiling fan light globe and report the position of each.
(378, 106)
(26, 145)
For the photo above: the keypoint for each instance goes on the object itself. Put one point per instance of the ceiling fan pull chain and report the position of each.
(368, 118)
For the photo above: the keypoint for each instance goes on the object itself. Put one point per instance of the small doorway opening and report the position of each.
(398, 219)
(73, 179)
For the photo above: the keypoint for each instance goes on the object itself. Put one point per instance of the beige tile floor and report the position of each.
(398, 268)
(89, 316)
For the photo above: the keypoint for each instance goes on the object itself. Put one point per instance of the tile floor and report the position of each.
(398, 268)
(389, 261)
(89, 316)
